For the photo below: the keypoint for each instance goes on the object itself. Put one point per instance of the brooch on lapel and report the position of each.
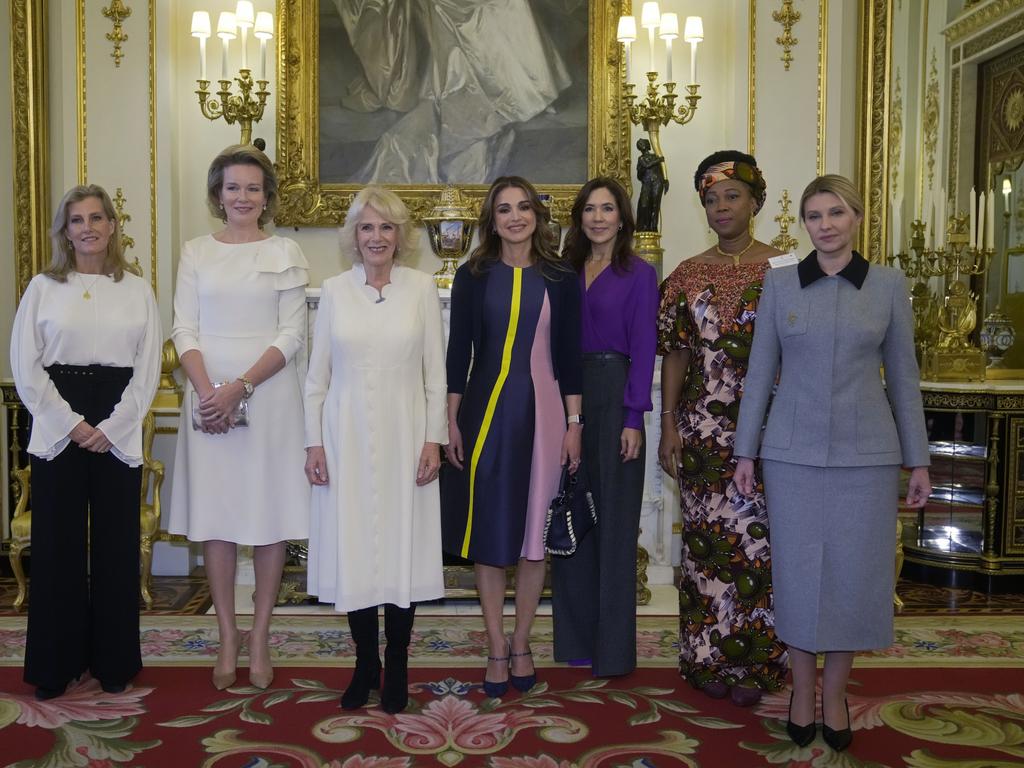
(791, 318)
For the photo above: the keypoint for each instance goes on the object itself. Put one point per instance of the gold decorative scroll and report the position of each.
(305, 201)
(873, 120)
(152, 148)
(895, 137)
(974, 18)
(117, 12)
(788, 18)
(931, 119)
(31, 141)
(822, 81)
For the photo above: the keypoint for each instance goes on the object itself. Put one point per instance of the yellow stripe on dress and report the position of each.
(492, 403)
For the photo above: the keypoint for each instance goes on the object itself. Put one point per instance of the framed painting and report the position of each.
(419, 94)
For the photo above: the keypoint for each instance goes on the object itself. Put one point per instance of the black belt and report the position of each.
(617, 356)
(94, 372)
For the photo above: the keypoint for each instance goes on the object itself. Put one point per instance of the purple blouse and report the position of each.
(619, 314)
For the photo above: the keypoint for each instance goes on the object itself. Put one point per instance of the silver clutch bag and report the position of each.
(240, 418)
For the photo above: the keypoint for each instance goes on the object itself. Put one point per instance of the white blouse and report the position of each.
(118, 326)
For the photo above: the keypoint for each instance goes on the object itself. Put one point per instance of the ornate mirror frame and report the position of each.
(305, 201)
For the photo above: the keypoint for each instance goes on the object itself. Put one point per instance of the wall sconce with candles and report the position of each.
(658, 108)
(245, 107)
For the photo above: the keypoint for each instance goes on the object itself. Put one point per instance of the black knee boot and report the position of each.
(366, 675)
(397, 630)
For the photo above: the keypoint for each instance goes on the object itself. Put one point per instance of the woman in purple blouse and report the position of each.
(594, 591)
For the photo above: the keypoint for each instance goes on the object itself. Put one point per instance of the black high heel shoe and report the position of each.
(801, 735)
(840, 739)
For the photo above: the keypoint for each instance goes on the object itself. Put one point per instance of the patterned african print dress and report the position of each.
(725, 594)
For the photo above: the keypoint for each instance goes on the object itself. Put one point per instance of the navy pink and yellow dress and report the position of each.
(520, 328)
(726, 614)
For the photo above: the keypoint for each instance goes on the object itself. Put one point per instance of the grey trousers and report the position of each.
(594, 591)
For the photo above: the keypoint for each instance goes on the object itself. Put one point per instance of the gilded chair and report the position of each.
(149, 516)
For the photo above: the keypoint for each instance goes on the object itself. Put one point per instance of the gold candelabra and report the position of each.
(241, 108)
(942, 329)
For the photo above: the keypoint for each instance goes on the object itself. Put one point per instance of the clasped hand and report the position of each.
(426, 470)
(216, 407)
(89, 437)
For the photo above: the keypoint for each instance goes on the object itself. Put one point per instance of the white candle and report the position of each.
(224, 59)
(668, 60)
(668, 32)
(226, 32)
(693, 63)
(650, 37)
(263, 59)
(1007, 189)
(974, 217)
(979, 243)
(940, 236)
(245, 46)
(990, 241)
(202, 58)
(650, 18)
(201, 29)
(693, 33)
(897, 221)
(264, 30)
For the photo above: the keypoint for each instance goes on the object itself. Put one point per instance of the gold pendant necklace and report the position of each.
(736, 256)
(86, 293)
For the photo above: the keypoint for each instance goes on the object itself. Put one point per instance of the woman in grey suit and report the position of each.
(833, 445)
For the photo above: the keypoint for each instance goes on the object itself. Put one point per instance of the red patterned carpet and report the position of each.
(926, 718)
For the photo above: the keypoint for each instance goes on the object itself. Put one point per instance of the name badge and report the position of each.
(785, 260)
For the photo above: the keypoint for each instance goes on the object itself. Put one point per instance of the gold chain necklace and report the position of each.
(86, 293)
(736, 256)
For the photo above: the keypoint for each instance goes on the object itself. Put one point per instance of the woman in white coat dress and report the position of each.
(375, 421)
(85, 353)
(239, 322)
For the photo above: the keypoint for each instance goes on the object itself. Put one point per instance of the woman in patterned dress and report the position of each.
(705, 327)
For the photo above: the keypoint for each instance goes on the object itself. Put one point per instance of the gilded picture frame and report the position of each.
(305, 201)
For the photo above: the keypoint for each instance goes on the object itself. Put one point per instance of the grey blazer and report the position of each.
(826, 343)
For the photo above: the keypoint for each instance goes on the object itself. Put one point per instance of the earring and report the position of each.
(620, 227)
(264, 206)
(222, 206)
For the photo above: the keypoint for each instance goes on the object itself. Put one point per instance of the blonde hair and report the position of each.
(241, 154)
(840, 186)
(391, 208)
(63, 259)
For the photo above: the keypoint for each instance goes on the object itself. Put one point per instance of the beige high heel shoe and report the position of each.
(258, 680)
(222, 680)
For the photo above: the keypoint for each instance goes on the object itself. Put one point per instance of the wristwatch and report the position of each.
(247, 387)
(575, 418)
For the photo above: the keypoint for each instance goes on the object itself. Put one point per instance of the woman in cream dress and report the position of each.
(375, 421)
(239, 321)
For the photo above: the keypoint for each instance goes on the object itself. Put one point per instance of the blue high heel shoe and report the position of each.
(497, 690)
(521, 682)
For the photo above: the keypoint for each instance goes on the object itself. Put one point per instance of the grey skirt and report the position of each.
(833, 538)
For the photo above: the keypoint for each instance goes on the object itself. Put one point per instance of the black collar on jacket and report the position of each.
(855, 272)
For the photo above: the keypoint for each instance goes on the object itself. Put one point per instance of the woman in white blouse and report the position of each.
(85, 353)
(239, 322)
(375, 420)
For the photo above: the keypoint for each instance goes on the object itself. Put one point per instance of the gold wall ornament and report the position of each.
(873, 131)
(784, 241)
(117, 12)
(976, 16)
(787, 17)
(822, 81)
(80, 72)
(168, 393)
(752, 75)
(308, 201)
(930, 122)
(127, 241)
(29, 115)
(896, 138)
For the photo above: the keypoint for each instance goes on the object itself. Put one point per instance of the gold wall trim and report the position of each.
(152, 147)
(307, 202)
(83, 168)
(822, 81)
(953, 167)
(752, 78)
(980, 17)
(873, 131)
(787, 17)
(1007, 29)
(29, 116)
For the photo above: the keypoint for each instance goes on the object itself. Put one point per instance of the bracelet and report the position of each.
(671, 410)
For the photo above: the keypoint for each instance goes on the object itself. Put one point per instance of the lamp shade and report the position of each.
(669, 29)
(264, 25)
(694, 30)
(650, 16)
(627, 29)
(226, 26)
(200, 24)
(245, 14)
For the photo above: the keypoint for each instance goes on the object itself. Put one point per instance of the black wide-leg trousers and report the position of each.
(84, 586)
(593, 600)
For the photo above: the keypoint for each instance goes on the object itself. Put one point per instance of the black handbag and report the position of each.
(571, 514)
